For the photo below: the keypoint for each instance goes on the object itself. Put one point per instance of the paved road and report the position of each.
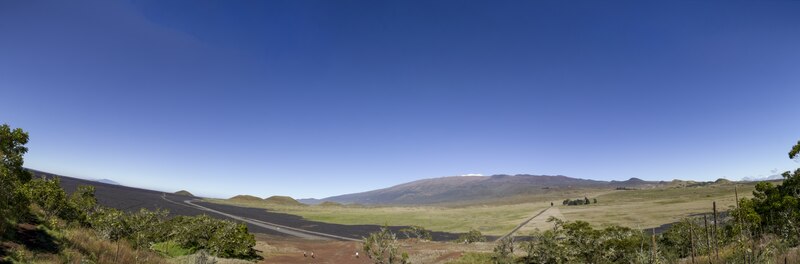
(522, 224)
(276, 227)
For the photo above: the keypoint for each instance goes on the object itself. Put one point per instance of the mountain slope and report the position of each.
(467, 188)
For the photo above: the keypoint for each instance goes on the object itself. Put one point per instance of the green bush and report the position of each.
(382, 246)
(417, 232)
(13, 201)
(471, 237)
(110, 223)
(504, 251)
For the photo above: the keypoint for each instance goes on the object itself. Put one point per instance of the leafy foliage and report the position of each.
(13, 201)
(579, 201)
(504, 251)
(579, 242)
(48, 194)
(381, 247)
(795, 150)
(417, 232)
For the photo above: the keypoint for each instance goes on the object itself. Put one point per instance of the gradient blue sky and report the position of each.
(318, 98)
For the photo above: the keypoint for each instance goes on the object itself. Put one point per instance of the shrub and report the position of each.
(110, 224)
(13, 201)
(471, 237)
(50, 197)
(231, 240)
(417, 232)
(146, 227)
(381, 247)
(504, 251)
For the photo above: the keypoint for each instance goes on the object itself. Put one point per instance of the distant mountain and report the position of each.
(310, 201)
(107, 181)
(768, 178)
(462, 188)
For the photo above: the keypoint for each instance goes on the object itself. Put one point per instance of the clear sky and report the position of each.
(318, 98)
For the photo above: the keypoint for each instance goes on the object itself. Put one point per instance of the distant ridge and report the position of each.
(107, 181)
(460, 189)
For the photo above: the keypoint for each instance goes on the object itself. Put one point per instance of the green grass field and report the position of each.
(654, 207)
(634, 208)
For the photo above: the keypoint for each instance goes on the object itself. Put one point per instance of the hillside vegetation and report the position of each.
(41, 223)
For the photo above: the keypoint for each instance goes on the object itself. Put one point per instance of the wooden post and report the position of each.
(708, 237)
(691, 238)
(716, 243)
(653, 250)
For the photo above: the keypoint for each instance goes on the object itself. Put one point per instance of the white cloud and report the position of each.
(472, 174)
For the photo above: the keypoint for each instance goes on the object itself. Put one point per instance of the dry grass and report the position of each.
(491, 220)
(645, 208)
(98, 250)
(654, 207)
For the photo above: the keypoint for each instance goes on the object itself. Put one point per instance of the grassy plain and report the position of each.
(654, 207)
(645, 208)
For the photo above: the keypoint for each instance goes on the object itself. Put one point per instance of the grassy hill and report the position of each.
(245, 198)
(282, 200)
(184, 193)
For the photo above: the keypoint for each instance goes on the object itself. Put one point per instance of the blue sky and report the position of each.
(318, 98)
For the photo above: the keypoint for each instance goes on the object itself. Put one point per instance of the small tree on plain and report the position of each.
(472, 236)
(382, 246)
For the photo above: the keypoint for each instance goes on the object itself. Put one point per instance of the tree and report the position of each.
(382, 246)
(146, 227)
(49, 196)
(13, 201)
(471, 237)
(83, 204)
(504, 251)
(417, 232)
(795, 150)
(232, 240)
